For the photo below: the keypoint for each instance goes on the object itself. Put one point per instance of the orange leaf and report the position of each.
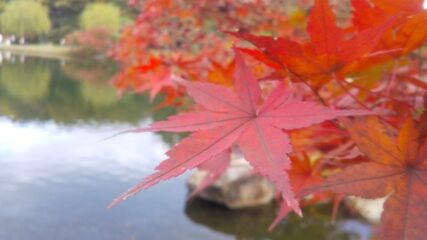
(399, 6)
(397, 169)
(222, 75)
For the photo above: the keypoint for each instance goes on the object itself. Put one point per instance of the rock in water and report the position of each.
(370, 209)
(237, 188)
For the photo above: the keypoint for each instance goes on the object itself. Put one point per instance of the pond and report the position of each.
(57, 177)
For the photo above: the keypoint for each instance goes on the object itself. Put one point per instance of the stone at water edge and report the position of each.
(237, 188)
(370, 209)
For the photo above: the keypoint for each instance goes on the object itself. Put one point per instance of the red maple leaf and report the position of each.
(397, 169)
(155, 77)
(238, 117)
(330, 52)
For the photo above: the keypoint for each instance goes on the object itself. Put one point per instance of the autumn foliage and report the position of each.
(90, 42)
(337, 108)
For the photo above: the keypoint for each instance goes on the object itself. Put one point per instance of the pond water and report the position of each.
(57, 177)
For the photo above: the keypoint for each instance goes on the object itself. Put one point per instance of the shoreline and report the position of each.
(46, 51)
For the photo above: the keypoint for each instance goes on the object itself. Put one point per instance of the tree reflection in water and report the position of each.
(44, 89)
(26, 82)
(252, 223)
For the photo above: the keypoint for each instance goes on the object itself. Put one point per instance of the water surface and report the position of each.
(56, 177)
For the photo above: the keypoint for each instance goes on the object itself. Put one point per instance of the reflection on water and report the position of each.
(67, 93)
(38, 152)
(56, 177)
(93, 87)
(26, 83)
(252, 223)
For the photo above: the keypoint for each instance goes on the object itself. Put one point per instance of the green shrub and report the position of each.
(101, 15)
(25, 18)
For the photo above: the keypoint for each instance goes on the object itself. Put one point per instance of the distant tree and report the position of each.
(101, 15)
(64, 15)
(25, 18)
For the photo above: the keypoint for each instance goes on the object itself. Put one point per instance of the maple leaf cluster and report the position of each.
(341, 111)
(185, 38)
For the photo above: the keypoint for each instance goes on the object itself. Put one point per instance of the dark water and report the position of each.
(56, 177)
